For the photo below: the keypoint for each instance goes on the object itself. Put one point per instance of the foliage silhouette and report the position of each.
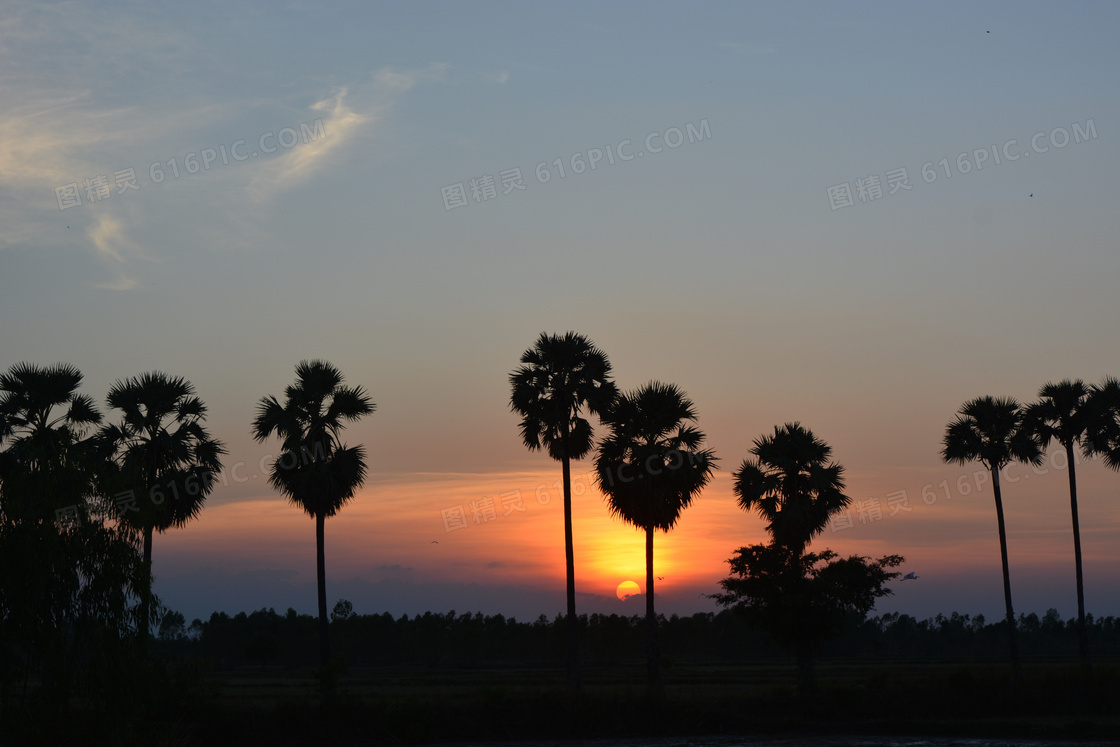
(558, 377)
(990, 430)
(801, 599)
(167, 462)
(315, 470)
(70, 577)
(650, 468)
(1103, 437)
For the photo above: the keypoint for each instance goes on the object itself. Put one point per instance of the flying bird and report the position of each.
(910, 576)
(660, 578)
(435, 542)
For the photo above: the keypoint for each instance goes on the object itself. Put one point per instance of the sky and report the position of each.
(853, 215)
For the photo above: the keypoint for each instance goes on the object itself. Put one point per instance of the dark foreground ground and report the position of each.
(857, 703)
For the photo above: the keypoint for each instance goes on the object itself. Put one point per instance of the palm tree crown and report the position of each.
(989, 430)
(1103, 436)
(315, 470)
(559, 376)
(792, 485)
(651, 465)
(30, 422)
(162, 450)
(1061, 414)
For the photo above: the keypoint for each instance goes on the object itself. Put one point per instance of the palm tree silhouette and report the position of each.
(650, 467)
(989, 430)
(315, 470)
(792, 485)
(558, 377)
(162, 452)
(1064, 414)
(38, 435)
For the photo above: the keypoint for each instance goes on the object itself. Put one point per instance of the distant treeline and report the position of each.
(269, 639)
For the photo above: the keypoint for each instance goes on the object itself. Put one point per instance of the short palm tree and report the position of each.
(650, 468)
(315, 470)
(792, 485)
(1064, 413)
(989, 430)
(164, 454)
(559, 377)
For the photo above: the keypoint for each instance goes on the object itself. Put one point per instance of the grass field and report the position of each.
(415, 705)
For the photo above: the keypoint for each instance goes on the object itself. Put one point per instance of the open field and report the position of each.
(416, 705)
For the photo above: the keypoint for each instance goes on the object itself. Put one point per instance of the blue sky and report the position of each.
(723, 265)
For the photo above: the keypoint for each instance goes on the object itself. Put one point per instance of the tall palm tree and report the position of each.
(315, 470)
(559, 377)
(1064, 414)
(162, 452)
(650, 467)
(989, 430)
(792, 485)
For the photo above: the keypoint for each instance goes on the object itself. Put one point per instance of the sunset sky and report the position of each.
(853, 215)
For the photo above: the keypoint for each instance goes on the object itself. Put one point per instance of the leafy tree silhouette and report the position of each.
(990, 430)
(560, 376)
(70, 579)
(315, 470)
(650, 467)
(799, 598)
(167, 461)
(1065, 413)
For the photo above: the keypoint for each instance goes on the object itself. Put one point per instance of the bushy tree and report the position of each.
(799, 598)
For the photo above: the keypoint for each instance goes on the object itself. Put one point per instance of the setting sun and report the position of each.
(627, 589)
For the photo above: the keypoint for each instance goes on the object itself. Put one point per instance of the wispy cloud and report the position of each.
(108, 238)
(112, 245)
(339, 122)
(122, 283)
(402, 80)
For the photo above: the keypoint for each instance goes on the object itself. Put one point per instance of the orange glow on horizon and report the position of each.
(506, 530)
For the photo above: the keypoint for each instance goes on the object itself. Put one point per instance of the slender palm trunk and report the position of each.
(146, 601)
(1082, 642)
(574, 677)
(1011, 634)
(327, 684)
(653, 655)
